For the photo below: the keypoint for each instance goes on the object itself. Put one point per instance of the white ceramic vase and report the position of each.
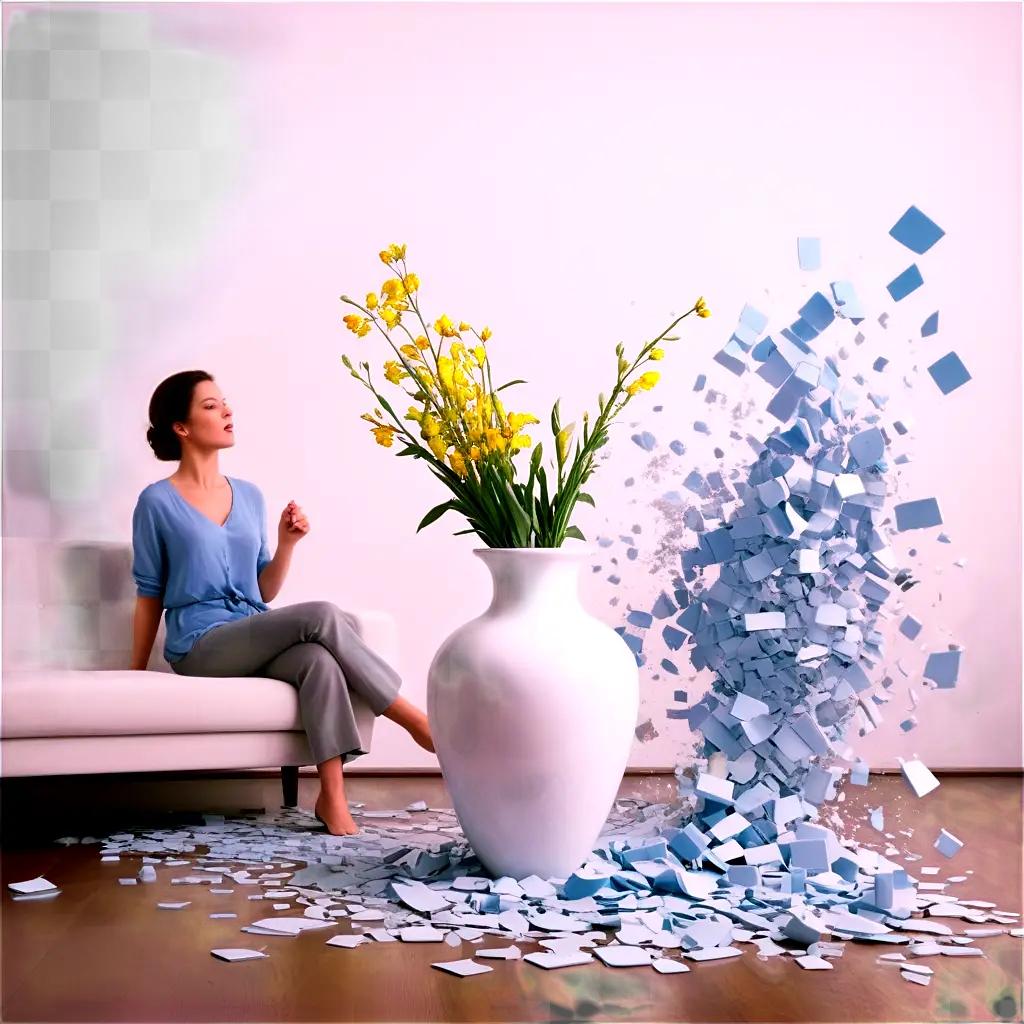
(532, 709)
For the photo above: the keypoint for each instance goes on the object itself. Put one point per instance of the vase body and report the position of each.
(532, 708)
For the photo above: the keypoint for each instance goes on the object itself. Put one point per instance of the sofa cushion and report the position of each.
(122, 702)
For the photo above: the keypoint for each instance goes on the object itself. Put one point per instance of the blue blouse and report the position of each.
(205, 573)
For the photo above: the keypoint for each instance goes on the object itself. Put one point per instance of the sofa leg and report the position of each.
(290, 785)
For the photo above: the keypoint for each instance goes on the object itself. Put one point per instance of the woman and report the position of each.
(200, 551)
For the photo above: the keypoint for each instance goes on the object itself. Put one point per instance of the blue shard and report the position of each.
(910, 280)
(918, 515)
(818, 311)
(949, 373)
(809, 253)
(916, 231)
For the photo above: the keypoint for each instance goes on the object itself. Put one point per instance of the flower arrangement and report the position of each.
(464, 432)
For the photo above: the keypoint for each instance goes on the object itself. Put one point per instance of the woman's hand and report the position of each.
(293, 525)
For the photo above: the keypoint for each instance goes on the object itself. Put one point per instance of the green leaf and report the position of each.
(459, 533)
(544, 512)
(519, 514)
(509, 384)
(410, 450)
(574, 531)
(555, 425)
(583, 496)
(436, 512)
(383, 401)
(535, 458)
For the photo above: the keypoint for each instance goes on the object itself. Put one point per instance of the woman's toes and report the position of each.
(339, 820)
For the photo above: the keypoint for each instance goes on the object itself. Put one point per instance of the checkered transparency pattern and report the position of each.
(119, 146)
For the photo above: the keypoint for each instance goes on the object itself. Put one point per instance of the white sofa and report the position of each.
(68, 705)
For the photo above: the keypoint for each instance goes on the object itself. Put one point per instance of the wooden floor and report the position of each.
(104, 952)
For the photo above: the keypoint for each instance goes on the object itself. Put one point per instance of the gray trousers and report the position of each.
(314, 646)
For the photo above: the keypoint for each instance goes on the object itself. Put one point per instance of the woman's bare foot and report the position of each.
(419, 730)
(413, 720)
(337, 816)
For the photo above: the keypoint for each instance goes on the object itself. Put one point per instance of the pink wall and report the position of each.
(573, 175)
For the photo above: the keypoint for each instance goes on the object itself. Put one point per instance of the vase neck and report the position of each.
(533, 576)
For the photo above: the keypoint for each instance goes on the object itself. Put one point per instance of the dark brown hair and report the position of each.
(170, 404)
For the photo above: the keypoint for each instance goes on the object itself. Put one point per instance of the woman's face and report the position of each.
(210, 420)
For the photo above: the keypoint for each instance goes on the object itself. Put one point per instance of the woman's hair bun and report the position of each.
(170, 404)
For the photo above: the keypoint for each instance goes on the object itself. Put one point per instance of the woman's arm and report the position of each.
(271, 579)
(291, 528)
(144, 628)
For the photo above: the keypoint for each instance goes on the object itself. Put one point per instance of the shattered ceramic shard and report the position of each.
(943, 668)
(918, 777)
(551, 961)
(809, 253)
(918, 515)
(949, 373)
(234, 955)
(462, 968)
(903, 284)
(916, 231)
(947, 844)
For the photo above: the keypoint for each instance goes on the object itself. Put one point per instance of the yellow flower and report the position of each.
(354, 322)
(370, 419)
(480, 353)
(520, 441)
(445, 327)
(702, 310)
(457, 462)
(644, 382)
(474, 452)
(431, 428)
(390, 316)
(438, 446)
(410, 352)
(413, 414)
(371, 300)
(446, 371)
(422, 343)
(464, 326)
(410, 282)
(457, 349)
(393, 371)
(393, 289)
(485, 334)
(517, 420)
(392, 252)
(384, 435)
(657, 353)
(495, 442)
(562, 441)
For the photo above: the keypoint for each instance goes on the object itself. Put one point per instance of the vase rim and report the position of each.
(589, 550)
